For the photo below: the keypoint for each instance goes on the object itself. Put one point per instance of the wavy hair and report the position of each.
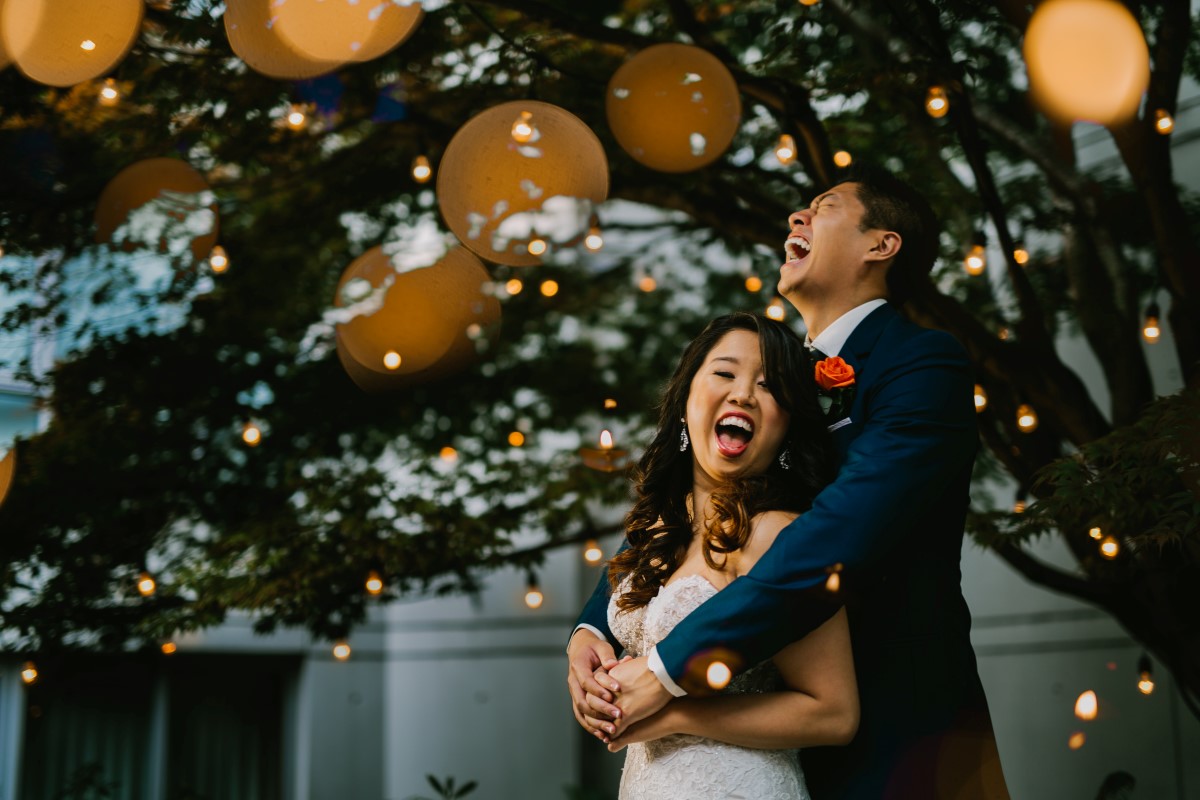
(659, 527)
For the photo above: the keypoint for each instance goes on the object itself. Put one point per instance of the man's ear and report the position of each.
(887, 245)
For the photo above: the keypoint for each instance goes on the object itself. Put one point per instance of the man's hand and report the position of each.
(657, 725)
(588, 660)
(639, 694)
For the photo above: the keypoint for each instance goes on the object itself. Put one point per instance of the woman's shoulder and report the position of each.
(764, 527)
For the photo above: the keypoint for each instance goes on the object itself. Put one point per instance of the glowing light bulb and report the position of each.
(976, 260)
(592, 553)
(296, 118)
(109, 94)
(980, 399)
(842, 158)
(775, 310)
(1076, 741)
(392, 359)
(1086, 705)
(1027, 419)
(448, 454)
(421, 170)
(937, 104)
(1019, 505)
(833, 583)
(1164, 123)
(537, 246)
(594, 241)
(785, 150)
(1021, 256)
(606, 440)
(514, 286)
(1003, 334)
(1109, 548)
(609, 403)
(809, 2)
(516, 438)
(647, 284)
(168, 648)
(29, 672)
(374, 583)
(1096, 533)
(341, 651)
(251, 434)
(1145, 681)
(146, 584)
(718, 675)
(218, 261)
(1150, 328)
(533, 596)
(523, 129)
(549, 288)
(87, 44)
(754, 283)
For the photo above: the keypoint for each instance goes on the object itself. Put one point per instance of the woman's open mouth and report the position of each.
(734, 432)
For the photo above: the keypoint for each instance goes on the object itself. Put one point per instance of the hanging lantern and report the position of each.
(937, 104)
(374, 583)
(8, 467)
(785, 150)
(592, 553)
(343, 31)
(1110, 548)
(533, 595)
(1145, 680)
(1086, 705)
(607, 457)
(109, 95)
(494, 192)
(159, 201)
(981, 399)
(421, 169)
(1150, 329)
(594, 240)
(1027, 420)
(673, 107)
(1164, 123)
(255, 38)
(65, 42)
(146, 585)
(29, 673)
(776, 310)
(1087, 60)
(218, 261)
(976, 261)
(341, 651)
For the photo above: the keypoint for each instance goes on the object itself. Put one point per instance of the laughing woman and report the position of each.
(741, 450)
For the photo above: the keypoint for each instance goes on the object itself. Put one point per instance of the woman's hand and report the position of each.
(657, 725)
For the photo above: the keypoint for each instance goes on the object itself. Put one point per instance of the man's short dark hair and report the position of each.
(892, 205)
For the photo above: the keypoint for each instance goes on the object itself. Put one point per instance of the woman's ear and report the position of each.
(887, 245)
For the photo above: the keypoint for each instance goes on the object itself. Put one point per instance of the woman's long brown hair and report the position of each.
(658, 528)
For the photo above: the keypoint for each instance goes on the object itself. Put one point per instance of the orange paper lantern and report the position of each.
(254, 37)
(673, 107)
(65, 42)
(175, 188)
(497, 193)
(8, 466)
(325, 30)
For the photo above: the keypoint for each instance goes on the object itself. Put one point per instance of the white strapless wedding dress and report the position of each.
(682, 767)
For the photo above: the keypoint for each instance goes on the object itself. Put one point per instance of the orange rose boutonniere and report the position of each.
(836, 381)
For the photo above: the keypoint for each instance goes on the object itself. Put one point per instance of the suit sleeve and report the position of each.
(919, 431)
(595, 612)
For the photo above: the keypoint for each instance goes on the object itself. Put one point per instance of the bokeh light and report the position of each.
(174, 194)
(65, 42)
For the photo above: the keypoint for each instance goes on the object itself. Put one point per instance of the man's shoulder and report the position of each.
(907, 337)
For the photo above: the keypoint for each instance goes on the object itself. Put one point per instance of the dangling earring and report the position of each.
(683, 437)
(785, 459)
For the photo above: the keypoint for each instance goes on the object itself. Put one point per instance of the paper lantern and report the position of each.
(175, 189)
(673, 107)
(8, 466)
(65, 42)
(340, 30)
(5, 58)
(254, 37)
(497, 193)
(1087, 60)
(428, 319)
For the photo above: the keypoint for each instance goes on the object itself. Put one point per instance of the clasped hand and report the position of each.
(618, 702)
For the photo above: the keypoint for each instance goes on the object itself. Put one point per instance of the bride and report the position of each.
(741, 450)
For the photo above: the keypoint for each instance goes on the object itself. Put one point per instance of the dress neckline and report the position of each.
(678, 581)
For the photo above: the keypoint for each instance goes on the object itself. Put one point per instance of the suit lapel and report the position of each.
(856, 353)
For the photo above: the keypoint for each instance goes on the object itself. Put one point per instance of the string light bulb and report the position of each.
(168, 648)
(421, 169)
(610, 403)
(592, 553)
(1027, 419)
(1076, 740)
(87, 44)
(1021, 256)
(981, 399)
(1145, 680)
(1150, 329)
(842, 158)
(29, 673)
(549, 288)
(341, 651)
(523, 129)
(146, 585)
(296, 118)
(937, 104)
(251, 434)
(1019, 503)
(374, 583)
(516, 438)
(594, 241)
(833, 583)
(1086, 706)
(647, 283)
(809, 2)
(448, 454)
(976, 261)
(718, 675)
(537, 246)
(1003, 334)
(785, 149)
(754, 284)
(607, 457)
(218, 260)
(776, 311)
(1096, 533)
(109, 95)
(1164, 123)
(1109, 548)
(533, 595)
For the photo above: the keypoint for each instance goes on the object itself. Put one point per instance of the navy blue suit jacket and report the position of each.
(894, 518)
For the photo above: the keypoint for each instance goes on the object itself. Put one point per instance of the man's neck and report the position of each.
(820, 315)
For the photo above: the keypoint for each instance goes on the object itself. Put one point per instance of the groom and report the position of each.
(905, 434)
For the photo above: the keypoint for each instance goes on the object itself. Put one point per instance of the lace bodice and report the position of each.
(683, 767)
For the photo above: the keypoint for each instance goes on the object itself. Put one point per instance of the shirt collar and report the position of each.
(833, 339)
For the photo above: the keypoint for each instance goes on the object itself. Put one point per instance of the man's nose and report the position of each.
(799, 218)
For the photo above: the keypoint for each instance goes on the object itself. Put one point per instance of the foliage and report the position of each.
(158, 368)
(446, 790)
